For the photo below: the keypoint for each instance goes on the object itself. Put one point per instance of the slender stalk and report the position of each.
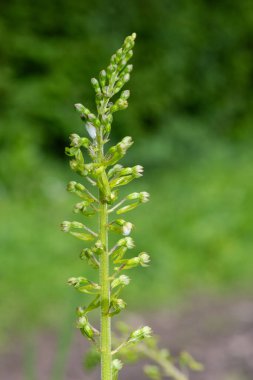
(105, 320)
(105, 298)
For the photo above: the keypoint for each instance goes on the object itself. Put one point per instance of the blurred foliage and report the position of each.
(198, 230)
(194, 59)
(190, 113)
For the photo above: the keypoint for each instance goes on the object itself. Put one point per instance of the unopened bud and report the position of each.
(81, 109)
(65, 226)
(77, 225)
(80, 311)
(140, 334)
(95, 85)
(77, 141)
(125, 94)
(114, 170)
(91, 129)
(129, 68)
(118, 303)
(144, 197)
(133, 196)
(71, 186)
(102, 77)
(85, 327)
(127, 228)
(120, 104)
(138, 171)
(126, 242)
(120, 281)
(126, 77)
(144, 259)
(117, 364)
(125, 143)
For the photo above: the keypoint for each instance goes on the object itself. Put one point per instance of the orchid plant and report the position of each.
(104, 174)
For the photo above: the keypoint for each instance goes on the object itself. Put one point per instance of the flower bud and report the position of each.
(79, 187)
(144, 259)
(95, 85)
(114, 58)
(129, 55)
(114, 170)
(82, 236)
(126, 77)
(118, 86)
(140, 334)
(127, 208)
(127, 228)
(114, 196)
(118, 303)
(144, 197)
(71, 186)
(81, 109)
(74, 140)
(85, 327)
(102, 77)
(129, 68)
(121, 226)
(75, 281)
(137, 171)
(125, 94)
(91, 130)
(65, 226)
(98, 249)
(80, 207)
(77, 167)
(125, 143)
(126, 242)
(77, 225)
(133, 196)
(119, 53)
(77, 141)
(80, 311)
(120, 281)
(87, 254)
(120, 104)
(83, 285)
(129, 42)
(117, 364)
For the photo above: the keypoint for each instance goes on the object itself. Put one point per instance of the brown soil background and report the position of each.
(219, 333)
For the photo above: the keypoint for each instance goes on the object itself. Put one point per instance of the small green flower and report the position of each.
(140, 334)
(120, 281)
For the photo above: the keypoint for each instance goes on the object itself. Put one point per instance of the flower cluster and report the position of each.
(101, 170)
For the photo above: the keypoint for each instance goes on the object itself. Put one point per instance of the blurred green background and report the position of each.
(190, 114)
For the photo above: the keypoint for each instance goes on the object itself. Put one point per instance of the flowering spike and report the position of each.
(99, 166)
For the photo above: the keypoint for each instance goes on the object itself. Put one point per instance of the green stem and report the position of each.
(105, 298)
(105, 342)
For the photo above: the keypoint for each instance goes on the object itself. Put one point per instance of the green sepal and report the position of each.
(121, 181)
(82, 236)
(127, 208)
(75, 152)
(88, 255)
(83, 285)
(142, 259)
(117, 304)
(118, 254)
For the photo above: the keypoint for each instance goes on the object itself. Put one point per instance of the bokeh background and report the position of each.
(190, 114)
